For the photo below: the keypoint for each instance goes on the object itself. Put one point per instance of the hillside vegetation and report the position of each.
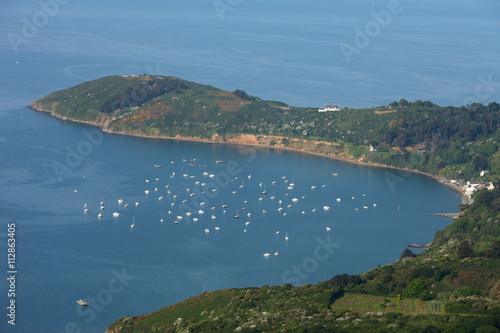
(453, 142)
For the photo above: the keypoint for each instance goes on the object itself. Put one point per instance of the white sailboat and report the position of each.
(132, 226)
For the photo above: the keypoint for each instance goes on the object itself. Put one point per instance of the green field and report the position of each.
(369, 303)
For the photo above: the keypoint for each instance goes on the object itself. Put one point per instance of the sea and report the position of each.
(213, 216)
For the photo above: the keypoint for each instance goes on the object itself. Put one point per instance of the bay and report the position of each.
(291, 51)
(65, 254)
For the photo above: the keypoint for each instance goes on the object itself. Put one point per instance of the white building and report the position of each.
(330, 107)
(483, 173)
(472, 187)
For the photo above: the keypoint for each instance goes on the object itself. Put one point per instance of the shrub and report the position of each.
(407, 253)
(427, 296)
(463, 306)
(422, 272)
(468, 291)
(389, 269)
(415, 288)
(487, 329)
(464, 250)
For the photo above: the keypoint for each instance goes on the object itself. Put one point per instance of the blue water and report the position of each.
(66, 254)
(279, 50)
(289, 51)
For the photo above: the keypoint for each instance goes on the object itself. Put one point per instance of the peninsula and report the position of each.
(458, 145)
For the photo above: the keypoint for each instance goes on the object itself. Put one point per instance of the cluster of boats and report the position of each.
(205, 186)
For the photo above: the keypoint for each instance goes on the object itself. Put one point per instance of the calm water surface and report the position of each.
(66, 254)
(279, 50)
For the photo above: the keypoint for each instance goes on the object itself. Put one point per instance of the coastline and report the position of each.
(353, 161)
(463, 197)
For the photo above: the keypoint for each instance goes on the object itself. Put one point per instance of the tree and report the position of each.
(494, 251)
(342, 280)
(480, 162)
(464, 250)
(486, 329)
(407, 253)
(403, 102)
(483, 198)
(495, 163)
(415, 288)
(243, 95)
(388, 269)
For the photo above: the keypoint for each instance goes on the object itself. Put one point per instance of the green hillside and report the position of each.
(453, 142)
